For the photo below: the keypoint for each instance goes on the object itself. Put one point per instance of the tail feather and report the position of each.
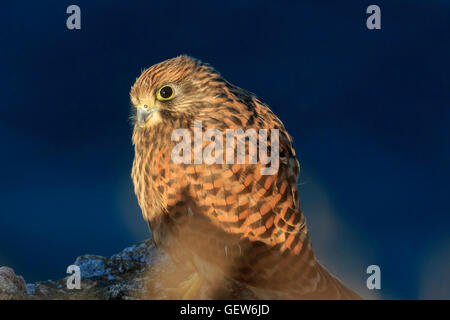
(329, 288)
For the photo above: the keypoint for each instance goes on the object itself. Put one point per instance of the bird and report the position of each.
(229, 223)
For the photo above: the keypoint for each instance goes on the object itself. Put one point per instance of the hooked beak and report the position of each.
(144, 113)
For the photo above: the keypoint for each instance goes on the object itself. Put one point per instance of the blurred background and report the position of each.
(368, 111)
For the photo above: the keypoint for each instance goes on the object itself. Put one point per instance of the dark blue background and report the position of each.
(368, 110)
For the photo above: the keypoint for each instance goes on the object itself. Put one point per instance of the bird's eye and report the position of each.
(165, 93)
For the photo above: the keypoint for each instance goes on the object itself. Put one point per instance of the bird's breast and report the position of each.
(150, 170)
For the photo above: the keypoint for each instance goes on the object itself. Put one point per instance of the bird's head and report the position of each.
(174, 88)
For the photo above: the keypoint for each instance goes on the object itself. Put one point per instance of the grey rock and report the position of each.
(12, 286)
(140, 271)
(126, 275)
(91, 266)
(31, 288)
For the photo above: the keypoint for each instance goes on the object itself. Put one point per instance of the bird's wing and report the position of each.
(250, 224)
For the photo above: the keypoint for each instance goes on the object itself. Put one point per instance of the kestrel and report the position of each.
(227, 222)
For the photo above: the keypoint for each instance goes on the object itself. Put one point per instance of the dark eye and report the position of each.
(165, 93)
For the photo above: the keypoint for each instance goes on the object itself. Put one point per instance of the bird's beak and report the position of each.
(144, 113)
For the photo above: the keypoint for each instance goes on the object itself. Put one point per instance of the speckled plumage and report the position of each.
(227, 221)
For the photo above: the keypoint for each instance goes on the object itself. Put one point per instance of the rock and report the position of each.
(12, 286)
(31, 288)
(137, 272)
(121, 276)
(91, 266)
